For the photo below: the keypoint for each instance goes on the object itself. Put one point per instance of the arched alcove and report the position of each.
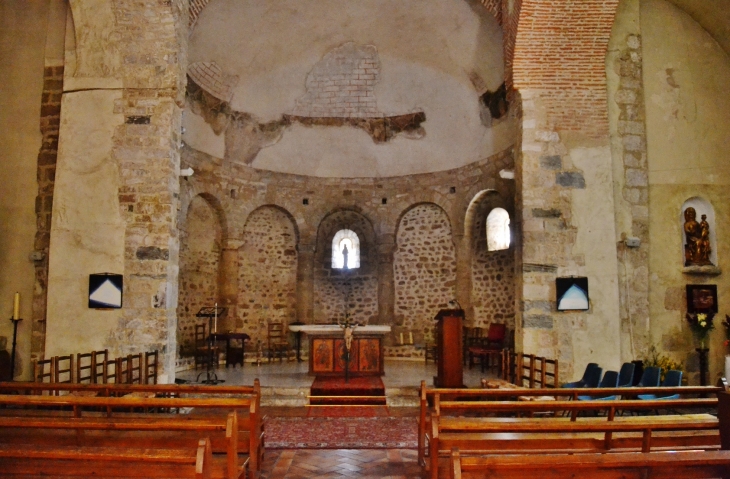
(333, 285)
(424, 267)
(492, 272)
(697, 220)
(267, 276)
(201, 237)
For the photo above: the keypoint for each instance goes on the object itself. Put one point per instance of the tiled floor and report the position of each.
(342, 463)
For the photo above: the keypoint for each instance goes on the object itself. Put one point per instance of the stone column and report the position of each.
(463, 275)
(386, 286)
(228, 282)
(305, 283)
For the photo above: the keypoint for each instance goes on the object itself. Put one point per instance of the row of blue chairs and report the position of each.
(623, 379)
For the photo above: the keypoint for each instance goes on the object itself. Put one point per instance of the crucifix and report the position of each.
(348, 327)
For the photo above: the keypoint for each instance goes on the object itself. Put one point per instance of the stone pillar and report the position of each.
(305, 283)
(386, 282)
(228, 283)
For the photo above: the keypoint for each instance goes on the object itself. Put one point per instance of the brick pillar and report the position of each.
(305, 283)
(50, 120)
(386, 282)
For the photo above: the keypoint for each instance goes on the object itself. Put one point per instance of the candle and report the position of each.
(16, 306)
(410, 337)
(215, 327)
(401, 337)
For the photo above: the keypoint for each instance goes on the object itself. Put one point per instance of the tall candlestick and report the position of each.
(215, 327)
(410, 337)
(16, 306)
(401, 338)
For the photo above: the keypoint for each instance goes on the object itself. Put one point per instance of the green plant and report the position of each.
(661, 361)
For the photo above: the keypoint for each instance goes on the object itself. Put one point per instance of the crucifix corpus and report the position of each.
(348, 329)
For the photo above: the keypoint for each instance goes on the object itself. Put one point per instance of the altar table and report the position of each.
(327, 349)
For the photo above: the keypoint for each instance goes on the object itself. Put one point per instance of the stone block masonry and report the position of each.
(424, 268)
(408, 251)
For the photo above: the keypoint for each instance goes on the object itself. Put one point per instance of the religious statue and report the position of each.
(344, 256)
(697, 248)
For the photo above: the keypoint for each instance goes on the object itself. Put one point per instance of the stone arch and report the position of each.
(332, 286)
(492, 272)
(202, 237)
(424, 266)
(267, 275)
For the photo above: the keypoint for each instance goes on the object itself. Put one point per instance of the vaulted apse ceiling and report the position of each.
(712, 15)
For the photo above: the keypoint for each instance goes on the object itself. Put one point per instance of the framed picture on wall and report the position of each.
(572, 293)
(702, 298)
(105, 290)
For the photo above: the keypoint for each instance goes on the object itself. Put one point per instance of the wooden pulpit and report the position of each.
(448, 344)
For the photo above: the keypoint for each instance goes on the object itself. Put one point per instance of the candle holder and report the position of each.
(12, 353)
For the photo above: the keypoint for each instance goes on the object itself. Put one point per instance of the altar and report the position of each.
(327, 349)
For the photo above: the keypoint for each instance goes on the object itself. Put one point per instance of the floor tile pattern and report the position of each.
(342, 463)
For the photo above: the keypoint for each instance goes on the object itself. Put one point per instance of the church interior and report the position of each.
(557, 168)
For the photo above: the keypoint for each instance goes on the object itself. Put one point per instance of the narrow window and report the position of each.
(345, 244)
(498, 234)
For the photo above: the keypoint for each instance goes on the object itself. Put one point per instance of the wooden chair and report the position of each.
(64, 369)
(489, 347)
(203, 355)
(85, 368)
(99, 366)
(277, 342)
(109, 374)
(43, 370)
(150, 367)
(431, 349)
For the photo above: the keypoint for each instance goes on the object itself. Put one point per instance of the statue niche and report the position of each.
(697, 248)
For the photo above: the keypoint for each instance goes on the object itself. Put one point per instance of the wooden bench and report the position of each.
(146, 432)
(505, 402)
(116, 398)
(695, 464)
(118, 462)
(539, 437)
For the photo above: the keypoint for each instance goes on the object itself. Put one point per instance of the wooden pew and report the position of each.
(145, 431)
(246, 400)
(539, 437)
(504, 402)
(81, 462)
(695, 464)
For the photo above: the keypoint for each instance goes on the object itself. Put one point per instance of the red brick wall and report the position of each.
(560, 49)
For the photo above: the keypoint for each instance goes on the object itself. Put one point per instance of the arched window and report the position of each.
(345, 241)
(498, 234)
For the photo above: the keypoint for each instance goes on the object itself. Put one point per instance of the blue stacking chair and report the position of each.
(593, 378)
(650, 377)
(626, 375)
(610, 380)
(581, 383)
(673, 378)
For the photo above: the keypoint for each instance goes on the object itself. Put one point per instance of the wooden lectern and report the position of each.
(448, 333)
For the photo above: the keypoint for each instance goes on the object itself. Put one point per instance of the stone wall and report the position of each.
(424, 267)
(267, 274)
(302, 215)
(200, 251)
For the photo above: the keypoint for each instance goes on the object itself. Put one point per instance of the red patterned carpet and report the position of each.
(341, 432)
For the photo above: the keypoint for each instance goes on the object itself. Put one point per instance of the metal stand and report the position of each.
(210, 376)
(12, 354)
